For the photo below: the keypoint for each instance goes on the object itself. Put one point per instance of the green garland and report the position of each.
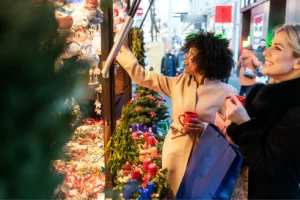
(137, 45)
(121, 144)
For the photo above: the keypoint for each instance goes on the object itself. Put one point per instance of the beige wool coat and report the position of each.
(251, 62)
(206, 100)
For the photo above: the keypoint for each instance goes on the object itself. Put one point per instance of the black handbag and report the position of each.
(248, 72)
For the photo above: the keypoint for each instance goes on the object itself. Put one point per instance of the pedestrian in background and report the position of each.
(169, 64)
(259, 54)
(260, 49)
(248, 61)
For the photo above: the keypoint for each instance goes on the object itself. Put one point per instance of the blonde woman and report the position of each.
(268, 130)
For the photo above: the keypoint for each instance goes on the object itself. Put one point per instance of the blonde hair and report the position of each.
(293, 36)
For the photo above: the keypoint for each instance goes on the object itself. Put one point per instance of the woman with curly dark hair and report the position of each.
(199, 89)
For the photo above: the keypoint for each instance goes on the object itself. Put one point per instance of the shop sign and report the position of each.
(223, 14)
(193, 18)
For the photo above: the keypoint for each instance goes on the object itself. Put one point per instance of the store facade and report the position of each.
(260, 17)
(229, 28)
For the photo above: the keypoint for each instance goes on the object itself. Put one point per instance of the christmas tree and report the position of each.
(135, 155)
(149, 107)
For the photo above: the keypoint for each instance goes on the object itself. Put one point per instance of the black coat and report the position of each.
(165, 65)
(270, 141)
(259, 54)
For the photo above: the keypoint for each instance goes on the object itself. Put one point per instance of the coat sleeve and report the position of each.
(149, 79)
(267, 151)
(256, 62)
(239, 64)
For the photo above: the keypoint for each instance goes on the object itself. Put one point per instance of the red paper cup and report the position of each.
(187, 117)
(240, 98)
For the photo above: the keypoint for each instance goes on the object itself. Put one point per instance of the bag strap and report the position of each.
(225, 127)
(243, 63)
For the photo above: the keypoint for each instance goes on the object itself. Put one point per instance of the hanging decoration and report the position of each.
(80, 20)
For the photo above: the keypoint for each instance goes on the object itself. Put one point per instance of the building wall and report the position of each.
(274, 13)
(292, 12)
(207, 7)
(277, 16)
(260, 11)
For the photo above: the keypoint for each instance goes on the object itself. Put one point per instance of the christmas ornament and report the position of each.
(90, 4)
(95, 16)
(73, 48)
(97, 42)
(81, 34)
(91, 72)
(64, 22)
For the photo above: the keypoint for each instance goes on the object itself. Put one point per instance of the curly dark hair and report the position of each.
(215, 59)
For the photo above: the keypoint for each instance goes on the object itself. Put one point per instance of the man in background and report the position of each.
(259, 54)
(260, 49)
(169, 63)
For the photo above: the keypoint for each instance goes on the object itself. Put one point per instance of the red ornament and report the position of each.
(144, 185)
(91, 4)
(65, 23)
(137, 96)
(126, 172)
(136, 139)
(135, 134)
(161, 98)
(153, 114)
(131, 101)
(116, 12)
(145, 179)
(138, 109)
(150, 96)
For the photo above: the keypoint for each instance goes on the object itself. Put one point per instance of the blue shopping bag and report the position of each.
(213, 168)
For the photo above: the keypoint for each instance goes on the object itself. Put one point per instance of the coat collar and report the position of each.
(274, 98)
